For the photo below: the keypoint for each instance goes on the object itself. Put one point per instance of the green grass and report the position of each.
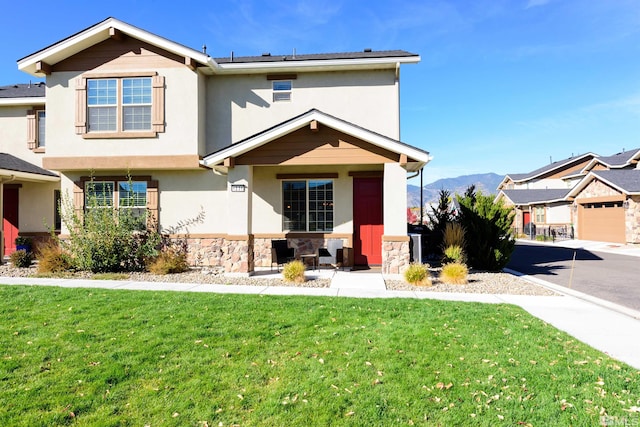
(116, 358)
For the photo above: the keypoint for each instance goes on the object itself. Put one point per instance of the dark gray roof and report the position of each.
(23, 90)
(619, 159)
(627, 180)
(529, 197)
(12, 163)
(316, 56)
(550, 167)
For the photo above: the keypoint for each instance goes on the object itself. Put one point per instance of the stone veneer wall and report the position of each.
(395, 257)
(632, 220)
(233, 256)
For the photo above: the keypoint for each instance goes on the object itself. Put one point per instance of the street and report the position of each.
(611, 277)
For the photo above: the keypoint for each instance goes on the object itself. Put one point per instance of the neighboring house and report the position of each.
(590, 197)
(302, 147)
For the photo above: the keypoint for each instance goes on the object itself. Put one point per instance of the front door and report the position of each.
(10, 221)
(367, 221)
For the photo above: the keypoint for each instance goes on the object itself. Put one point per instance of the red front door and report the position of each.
(10, 219)
(367, 221)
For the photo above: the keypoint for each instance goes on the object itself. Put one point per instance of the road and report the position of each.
(612, 277)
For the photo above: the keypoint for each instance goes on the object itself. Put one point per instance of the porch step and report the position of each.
(355, 280)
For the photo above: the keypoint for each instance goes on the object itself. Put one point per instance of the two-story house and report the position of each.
(588, 196)
(302, 147)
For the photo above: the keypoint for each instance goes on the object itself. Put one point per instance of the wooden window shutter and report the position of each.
(78, 198)
(32, 129)
(152, 205)
(81, 106)
(157, 113)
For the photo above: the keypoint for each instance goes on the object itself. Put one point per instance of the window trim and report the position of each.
(306, 207)
(275, 92)
(543, 214)
(33, 129)
(152, 194)
(157, 106)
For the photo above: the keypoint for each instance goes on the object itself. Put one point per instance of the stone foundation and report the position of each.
(632, 220)
(395, 256)
(230, 255)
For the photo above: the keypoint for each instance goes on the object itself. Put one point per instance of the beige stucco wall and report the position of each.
(267, 197)
(559, 214)
(182, 114)
(543, 184)
(13, 133)
(241, 106)
(182, 195)
(36, 206)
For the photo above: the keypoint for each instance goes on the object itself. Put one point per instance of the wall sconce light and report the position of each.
(238, 188)
(625, 204)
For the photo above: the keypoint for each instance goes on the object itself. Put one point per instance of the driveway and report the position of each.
(611, 277)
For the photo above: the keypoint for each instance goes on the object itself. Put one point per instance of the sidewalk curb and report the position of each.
(634, 314)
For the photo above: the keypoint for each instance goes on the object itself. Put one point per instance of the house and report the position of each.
(590, 197)
(302, 147)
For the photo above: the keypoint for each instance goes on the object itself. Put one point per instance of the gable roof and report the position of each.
(419, 156)
(626, 181)
(535, 196)
(616, 161)
(21, 169)
(555, 166)
(37, 63)
(97, 33)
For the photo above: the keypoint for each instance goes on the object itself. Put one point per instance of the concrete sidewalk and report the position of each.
(604, 327)
(591, 246)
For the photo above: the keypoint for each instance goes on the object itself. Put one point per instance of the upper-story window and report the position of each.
(281, 90)
(36, 125)
(120, 106)
(42, 117)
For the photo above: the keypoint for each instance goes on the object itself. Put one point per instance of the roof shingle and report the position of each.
(12, 163)
(23, 90)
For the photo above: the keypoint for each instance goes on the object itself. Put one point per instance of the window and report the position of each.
(281, 90)
(109, 99)
(36, 126)
(57, 217)
(307, 205)
(120, 107)
(540, 215)
(126, 196)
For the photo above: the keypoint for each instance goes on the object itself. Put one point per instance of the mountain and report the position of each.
(486, 182)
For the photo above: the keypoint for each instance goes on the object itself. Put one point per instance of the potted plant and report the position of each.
(23, 243)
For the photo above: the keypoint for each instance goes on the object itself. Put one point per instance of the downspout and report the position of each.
(2, 182)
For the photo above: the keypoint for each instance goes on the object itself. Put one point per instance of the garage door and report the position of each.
(602, 221)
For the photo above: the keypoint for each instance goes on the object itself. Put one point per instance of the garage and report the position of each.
(602, 221)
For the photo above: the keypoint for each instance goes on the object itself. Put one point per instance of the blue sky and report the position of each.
(503, 86)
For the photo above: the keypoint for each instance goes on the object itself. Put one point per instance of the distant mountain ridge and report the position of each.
(486, 182)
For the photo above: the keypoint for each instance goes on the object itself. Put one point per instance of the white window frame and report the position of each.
(120, 105)
(117, 199)
(41, 120)
(282, 90)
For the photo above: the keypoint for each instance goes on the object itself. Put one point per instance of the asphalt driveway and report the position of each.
(611, 277)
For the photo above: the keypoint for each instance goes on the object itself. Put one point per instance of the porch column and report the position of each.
(238, 255)
(1, 222)
(395, 241)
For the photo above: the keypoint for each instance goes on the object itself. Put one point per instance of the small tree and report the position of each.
(489, 242)
(438, 220)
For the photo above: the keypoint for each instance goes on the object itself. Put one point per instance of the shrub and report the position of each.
(51, 259)
(453, 235)
(454, 273)
(106, 239)
(438, 220)
(294, 272)
(418, 275)
(487, 225)
(453, 253)
(169, 261)
(21, 258)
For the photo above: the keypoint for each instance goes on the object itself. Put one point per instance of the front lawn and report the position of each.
(101, 357)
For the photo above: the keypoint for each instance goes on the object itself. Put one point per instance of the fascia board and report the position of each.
(26, 176)
(338, 64)
(304, 120)
(590, 177)
(23, 101)
(100, 32)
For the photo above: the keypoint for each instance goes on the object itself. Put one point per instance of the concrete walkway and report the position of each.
(602, 325)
